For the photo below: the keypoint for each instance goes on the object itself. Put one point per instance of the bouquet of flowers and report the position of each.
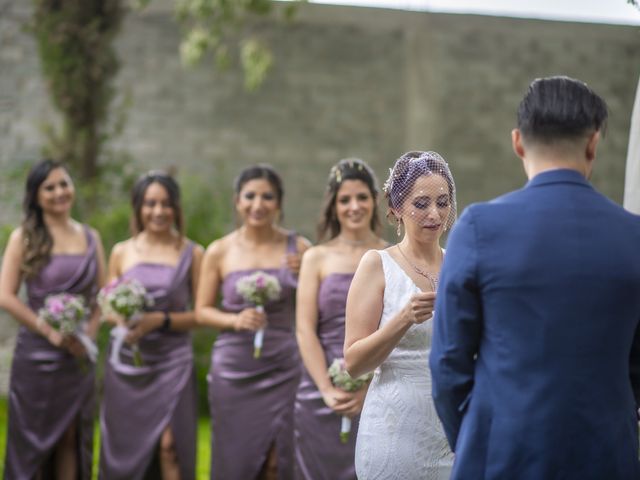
(65, 312)
(127, 298)
(258, 289)
(342, 380)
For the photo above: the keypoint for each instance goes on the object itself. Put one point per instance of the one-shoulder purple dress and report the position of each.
(139, 402)
(319, 453)
(251, 400)
(49, 388)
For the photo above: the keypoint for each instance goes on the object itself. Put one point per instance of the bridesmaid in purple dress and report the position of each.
(350, 219)
(251, 399)
(51, 393)
(148, 419)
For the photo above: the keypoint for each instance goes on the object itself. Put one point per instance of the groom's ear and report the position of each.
(516, 142)
(592, 145)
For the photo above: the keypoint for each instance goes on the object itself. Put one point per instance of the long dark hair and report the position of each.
(137, 199)
(37, 239)
(264, 171)
(346, 169)
(261, 171)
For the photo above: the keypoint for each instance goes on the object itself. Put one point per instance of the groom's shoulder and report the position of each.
(510, 201)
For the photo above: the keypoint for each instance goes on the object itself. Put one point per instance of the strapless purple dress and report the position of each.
(319, 453)
(49, 388)
(251, 400)
(140, 402)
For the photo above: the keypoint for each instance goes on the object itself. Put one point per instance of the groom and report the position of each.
(536, 348)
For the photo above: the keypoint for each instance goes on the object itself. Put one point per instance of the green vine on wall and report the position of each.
(79, 63)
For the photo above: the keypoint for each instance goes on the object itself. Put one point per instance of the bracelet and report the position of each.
(166, 323)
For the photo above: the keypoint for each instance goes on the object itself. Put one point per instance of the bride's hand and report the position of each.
(420, 307)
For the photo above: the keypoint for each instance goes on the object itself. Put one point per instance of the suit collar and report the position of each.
(562, 175)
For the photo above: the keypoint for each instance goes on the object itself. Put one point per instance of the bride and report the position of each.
(388, 327)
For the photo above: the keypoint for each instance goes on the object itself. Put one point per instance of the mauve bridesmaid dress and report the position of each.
(251, 400)
(140, 402)
(49, 388)
(320, 455)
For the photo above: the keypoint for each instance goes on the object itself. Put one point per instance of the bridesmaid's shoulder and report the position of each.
(16, 240)
(198, 251)
(94, 233)
(220, 246)
(16, 234)
(316, 253)
(121, 248)
(302, 243)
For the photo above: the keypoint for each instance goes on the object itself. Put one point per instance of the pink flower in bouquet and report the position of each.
(64, 312)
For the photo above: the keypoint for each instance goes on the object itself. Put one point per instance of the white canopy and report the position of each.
(632, 175)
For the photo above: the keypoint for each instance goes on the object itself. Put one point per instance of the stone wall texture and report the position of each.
(347, 81)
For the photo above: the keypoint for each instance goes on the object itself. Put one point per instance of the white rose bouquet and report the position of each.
(342, 380)
(128, 299)
(259, 288)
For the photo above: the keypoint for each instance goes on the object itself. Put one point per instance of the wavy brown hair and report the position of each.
(37, 239)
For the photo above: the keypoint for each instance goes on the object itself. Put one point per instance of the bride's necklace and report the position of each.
(433, 279)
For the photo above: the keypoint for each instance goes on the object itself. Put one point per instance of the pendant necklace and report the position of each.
(433, 279)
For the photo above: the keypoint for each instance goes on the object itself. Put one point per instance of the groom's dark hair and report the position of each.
(560, 108)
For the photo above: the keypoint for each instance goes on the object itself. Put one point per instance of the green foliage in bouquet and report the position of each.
(341, 378)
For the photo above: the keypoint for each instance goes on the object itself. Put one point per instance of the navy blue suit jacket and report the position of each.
(536, 348)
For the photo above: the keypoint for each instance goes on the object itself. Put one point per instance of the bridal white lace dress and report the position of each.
(400, 435)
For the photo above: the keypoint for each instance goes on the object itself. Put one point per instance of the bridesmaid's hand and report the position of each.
(420, 307)
(114, 320)
(250, 319)
(143, 324)
(293, 261)
(344, 403)
(54, 337)
(74, 346)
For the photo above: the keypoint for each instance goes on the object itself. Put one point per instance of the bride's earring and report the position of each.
(398, 228)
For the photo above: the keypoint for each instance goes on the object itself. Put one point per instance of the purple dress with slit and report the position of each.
(139, 402)
(49, 388)
(251, 400)
(319, 453)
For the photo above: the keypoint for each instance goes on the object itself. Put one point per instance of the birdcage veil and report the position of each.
(418, 183)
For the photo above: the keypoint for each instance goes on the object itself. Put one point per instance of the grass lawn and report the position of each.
(204, 444)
